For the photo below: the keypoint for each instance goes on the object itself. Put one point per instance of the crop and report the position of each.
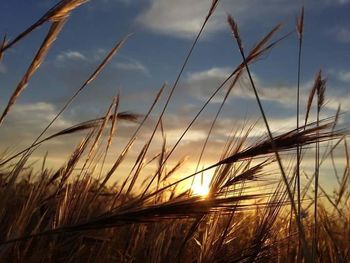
(77, 213)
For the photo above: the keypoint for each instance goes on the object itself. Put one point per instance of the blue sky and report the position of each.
(163, 32)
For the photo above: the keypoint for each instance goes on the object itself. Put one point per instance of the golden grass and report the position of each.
(78, 215)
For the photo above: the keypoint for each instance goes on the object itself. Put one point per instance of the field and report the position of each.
(257, 203)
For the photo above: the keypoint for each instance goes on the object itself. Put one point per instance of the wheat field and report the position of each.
(259, 204)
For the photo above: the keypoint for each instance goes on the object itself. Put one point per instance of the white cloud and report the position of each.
(35, 114)
(127, 64)
(132, 65)
(332, 102)
(181, 18)
(344, 76)
(70, 55)
(26, 121)
(201, 86)
(203, 83)
(218, 73)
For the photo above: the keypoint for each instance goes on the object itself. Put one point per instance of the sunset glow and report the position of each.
(174, 131)
(202, 190)
(201, 184)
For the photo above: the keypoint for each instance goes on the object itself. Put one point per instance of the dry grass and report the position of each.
(78, 215)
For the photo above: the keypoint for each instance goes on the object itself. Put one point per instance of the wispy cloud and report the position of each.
(126, 64)
(26, 121)
(40, 114)
(201, 85)
(344, 76)
(132, 65)
(70, 55)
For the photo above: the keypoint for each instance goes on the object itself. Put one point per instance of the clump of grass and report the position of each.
(78, 215)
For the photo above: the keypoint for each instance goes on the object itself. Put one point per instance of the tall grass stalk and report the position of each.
(210, 13)
(278, 158)
(92, 210)
(300, 31)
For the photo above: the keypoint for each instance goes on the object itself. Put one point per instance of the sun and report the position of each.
(201, 184)
(201, 190)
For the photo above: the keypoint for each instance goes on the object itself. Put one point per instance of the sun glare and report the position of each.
(202, 190)
(200, 186)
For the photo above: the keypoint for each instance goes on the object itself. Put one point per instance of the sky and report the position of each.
(163, 31)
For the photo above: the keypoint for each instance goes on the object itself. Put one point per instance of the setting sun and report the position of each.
(201, 184)
(198, 189)
(174, 131)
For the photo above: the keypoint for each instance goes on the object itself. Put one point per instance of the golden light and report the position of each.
(201, 183)
(198, 189)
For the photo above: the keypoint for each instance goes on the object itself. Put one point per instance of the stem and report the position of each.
(278, 158)
(171, 94)
(317, 165)
(298, 125)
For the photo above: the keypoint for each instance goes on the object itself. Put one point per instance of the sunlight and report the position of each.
(201, 184)
(202, 190)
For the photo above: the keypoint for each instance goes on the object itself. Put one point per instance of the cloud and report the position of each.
(98, 55)
(26, 121)
(183, 18)
(202, 84)
(70, 55)
(344, 76)
(132, 65)
(32, 117)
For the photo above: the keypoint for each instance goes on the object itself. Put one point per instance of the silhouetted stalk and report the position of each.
(216, 117)
(317, 165)
(212, 8)
(59, 11)
(86, 125)
(257, 51)
(91, 78)
(278, 158)
(300, 31)
(111, 133)
(320, 101)
(38, 59)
